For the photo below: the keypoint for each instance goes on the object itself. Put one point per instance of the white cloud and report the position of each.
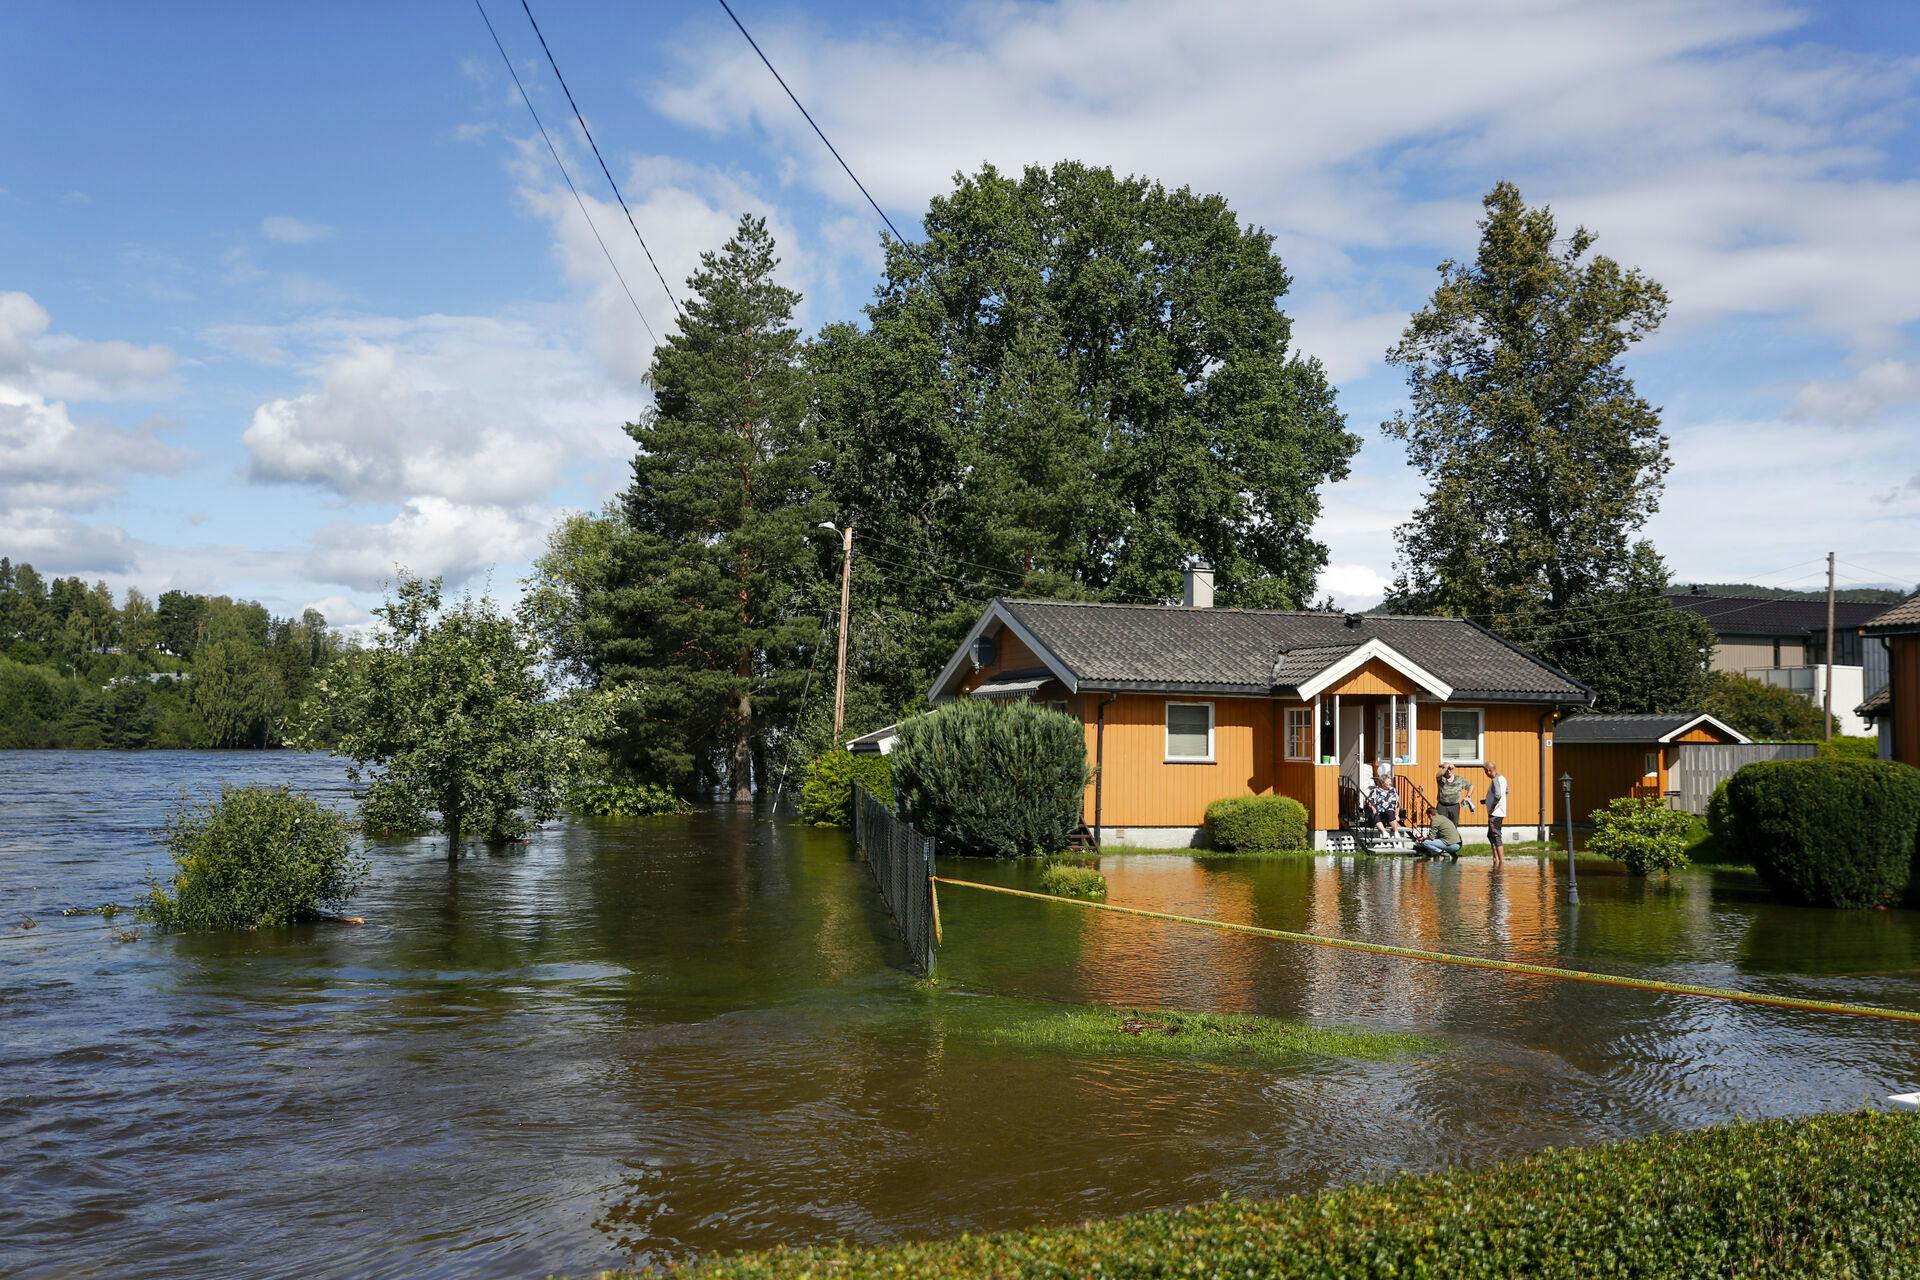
(1862, 398)
(1745, 176)
(432, 537)
(35, 360)
(1353, 586)
(57, 543)
(470, 409)
(284, 229)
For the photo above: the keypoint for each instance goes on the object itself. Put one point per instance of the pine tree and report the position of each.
(709, 611)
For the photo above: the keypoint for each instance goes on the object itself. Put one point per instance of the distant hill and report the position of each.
(1752, 591)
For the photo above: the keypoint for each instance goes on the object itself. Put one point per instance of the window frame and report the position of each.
(1479, 715)
(1166, 734)
(1305, 724)
(1652, 760)
(1061, 705)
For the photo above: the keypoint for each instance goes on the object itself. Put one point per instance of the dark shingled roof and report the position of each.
(1757, 616)
(1256, 651)
(1904, 616)
(1619, 728)
(1879, 702)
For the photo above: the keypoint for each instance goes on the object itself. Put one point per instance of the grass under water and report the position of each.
(1204, 1037)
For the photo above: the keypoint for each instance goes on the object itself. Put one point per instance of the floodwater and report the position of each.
(631, 1043)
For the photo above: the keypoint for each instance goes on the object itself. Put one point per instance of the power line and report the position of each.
(809, 119)
(555, 152)
(602, 159)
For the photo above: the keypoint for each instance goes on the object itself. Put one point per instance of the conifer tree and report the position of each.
(709, 614)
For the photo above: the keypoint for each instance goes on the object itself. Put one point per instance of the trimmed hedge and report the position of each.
(1828, 832)
(826, 793)
(1257, 823)
(1641, 834)
(1827, 1196)
(1000, 779)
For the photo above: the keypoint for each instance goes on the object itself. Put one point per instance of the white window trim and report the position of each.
(1479, 737)
(1166, 735)
(1313, 733)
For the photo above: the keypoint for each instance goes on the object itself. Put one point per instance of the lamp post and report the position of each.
(1566, 803)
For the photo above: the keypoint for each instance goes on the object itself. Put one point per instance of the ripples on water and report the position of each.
(622, 1043)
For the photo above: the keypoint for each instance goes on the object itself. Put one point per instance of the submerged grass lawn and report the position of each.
(1094, 1031)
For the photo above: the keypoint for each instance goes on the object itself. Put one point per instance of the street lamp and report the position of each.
(1566, 803)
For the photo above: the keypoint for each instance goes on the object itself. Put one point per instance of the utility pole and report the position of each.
(846, 591)
(1827, 701)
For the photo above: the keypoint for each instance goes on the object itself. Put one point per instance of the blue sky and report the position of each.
(291, 294)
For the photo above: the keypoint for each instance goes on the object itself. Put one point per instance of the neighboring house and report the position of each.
(1639, 755)
(1896, 709)
(1184, 705)
(878, 743)
(1784, 642)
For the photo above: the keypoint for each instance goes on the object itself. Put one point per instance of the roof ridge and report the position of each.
(1269, 613)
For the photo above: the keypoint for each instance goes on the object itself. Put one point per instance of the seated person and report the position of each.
(1442, 840)
(1382, 809)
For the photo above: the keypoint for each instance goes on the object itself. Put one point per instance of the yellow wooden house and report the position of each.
(1186, 704)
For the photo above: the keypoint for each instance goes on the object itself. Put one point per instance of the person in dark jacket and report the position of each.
(1442, 840)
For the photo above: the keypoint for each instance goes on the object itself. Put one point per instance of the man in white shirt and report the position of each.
(1496, 813)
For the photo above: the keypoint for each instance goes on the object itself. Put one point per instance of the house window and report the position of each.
(1403, 749)
(1328, 746)
(1190, 732)
(1653, 765)
(1060, 706)
(1461, 733)
(1299, 733)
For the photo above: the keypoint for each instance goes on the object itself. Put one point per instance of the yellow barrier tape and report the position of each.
(1469, 962)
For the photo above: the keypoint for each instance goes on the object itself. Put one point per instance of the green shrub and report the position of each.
(1257, 822)
(1068, 881)
(623, 798)
(1764, 712)
(1831, 1196)
(1642, 834)
(984, 777)
(1828, 832)
(256, 857)
(826, 793)
(1844, 747)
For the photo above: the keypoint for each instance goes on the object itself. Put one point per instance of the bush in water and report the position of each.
(983, 777)
(1828, 832)
(1642, 834)
(624, 798)
(256, 857)
(1257, 823)
(1066, 880)
(391, 811)
(1831, 1195)
(826, 794)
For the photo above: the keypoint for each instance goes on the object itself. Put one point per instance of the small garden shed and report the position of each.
(1609, 756)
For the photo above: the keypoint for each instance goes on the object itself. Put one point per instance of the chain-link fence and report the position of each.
(902, 862)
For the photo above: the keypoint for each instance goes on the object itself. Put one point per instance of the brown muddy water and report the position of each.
(635, 1042)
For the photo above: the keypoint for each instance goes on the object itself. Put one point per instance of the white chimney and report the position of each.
(1199, 593)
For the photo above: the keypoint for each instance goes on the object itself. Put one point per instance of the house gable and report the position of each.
(1374, 667)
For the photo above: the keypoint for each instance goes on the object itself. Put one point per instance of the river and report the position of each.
(627, 1043)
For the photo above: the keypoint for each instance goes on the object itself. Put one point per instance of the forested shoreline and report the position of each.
(80, 670)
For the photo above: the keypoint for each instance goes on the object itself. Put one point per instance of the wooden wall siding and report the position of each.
(1904, 668)
(1604, 771)
(1010, 654)
(1376, 677)
(1142, 790)
(1703, 733)
(1512, 733)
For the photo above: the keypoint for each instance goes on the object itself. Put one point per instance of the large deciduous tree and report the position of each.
(709, 604)
(1088, 379)
(1542, 461)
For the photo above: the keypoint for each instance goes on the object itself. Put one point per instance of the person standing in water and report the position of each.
(1496, 812)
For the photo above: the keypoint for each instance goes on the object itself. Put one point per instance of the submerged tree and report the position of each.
(1541, 460)
(452, 710)
(708, 602)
